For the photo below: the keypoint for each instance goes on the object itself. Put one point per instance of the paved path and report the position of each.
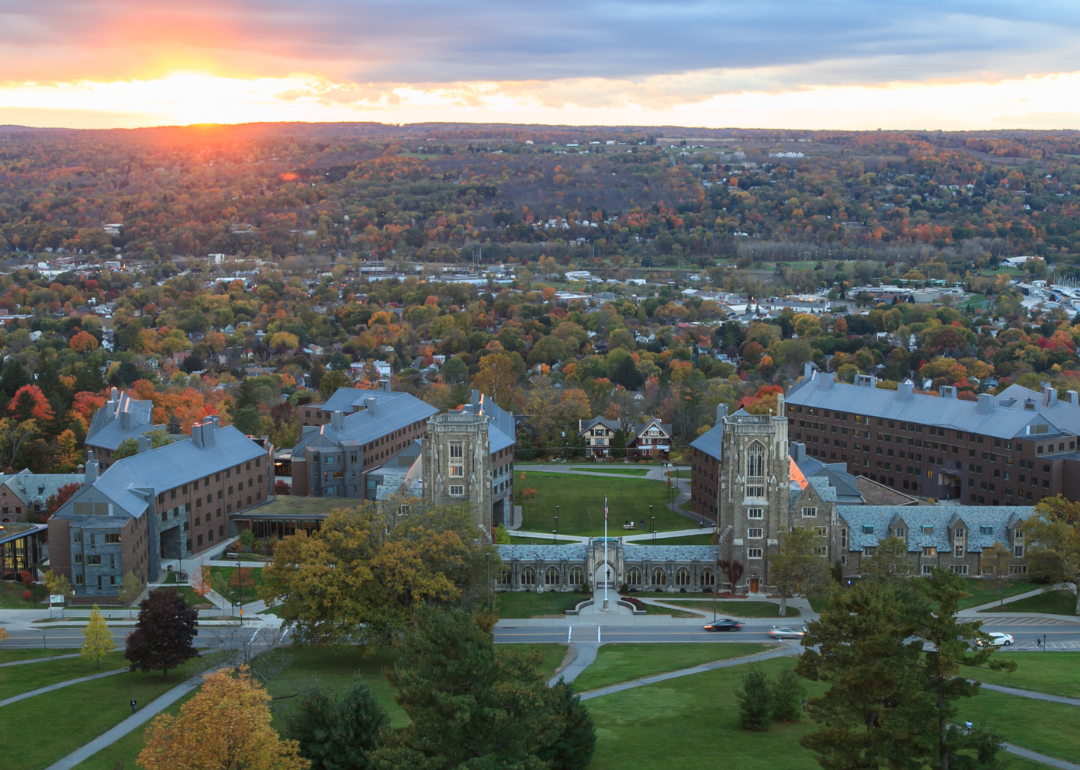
(1032, 694)
(134, 721)
(60, 686)
(981, 613)
(39, 660)
(788, 649)
(1034, 756)
(585, 656)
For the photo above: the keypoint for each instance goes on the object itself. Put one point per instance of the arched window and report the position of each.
(659, 578)
(551, 577)
(682, 577)
(633, 577)
(755, 461)
(528, 577)
(708, 578)
(577, 576)
(503, 578)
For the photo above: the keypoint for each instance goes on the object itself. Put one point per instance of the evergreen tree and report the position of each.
(336, 732)
(787, 695)
(626, 374)
(12, 378)
(97, 638)
(163, 635)
(573, 747)
(618, 444)
(755, 701)
(173, 427)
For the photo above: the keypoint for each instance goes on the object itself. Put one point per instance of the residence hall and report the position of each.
(163, 503)
(122, 417)
(1014, 448)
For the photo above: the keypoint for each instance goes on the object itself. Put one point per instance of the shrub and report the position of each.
(624, 588)
(682, 590)
(26, 595)
(755, 701)
(787, 695)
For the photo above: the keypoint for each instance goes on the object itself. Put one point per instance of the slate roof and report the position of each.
(393, 411)
(107, 428)
(658, 552)
(351, 399)
(712, 442)
(632, 552)
(31, 487)
(571, 552)
(882, 517)
(1004, 418)
(834, 474)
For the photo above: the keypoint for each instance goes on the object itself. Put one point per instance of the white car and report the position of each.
(784, 632)
(998, 639)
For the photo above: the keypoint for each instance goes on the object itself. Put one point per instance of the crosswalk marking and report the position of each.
(1029, 621)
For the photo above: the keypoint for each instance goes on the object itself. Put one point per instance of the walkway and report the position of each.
(60, 686)
(40, 660)
(1034, 695)
(137, 719)
(978, 612)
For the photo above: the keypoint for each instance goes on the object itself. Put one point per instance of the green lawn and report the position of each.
(684, 540)
(1053, 672)
(580, 502)
(616, 470)
(617, 663)
(679, 474)
(529, 604)
(737, 608)
(100, 704)
(192, 598)
(1052, 603)
(11, 596)
(1049, 728)
(652, 609)
(19, 679)
(11, 656)
(127, 749)
(252, 580)
(514, 539)
(982, 592)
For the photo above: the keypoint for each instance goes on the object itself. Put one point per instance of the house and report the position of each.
(122, 417)
(23, 495)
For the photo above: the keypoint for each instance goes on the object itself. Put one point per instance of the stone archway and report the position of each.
(605, 572)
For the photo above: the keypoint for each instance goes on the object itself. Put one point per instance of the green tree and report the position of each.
(755, 700)
(97, 638)
(502, 537)
(572, 748)
(468, 707)
(618, 444)
(173, 427)
(1053, 542)
(995, 558)
(57, 584)
(787, 693)
(336, 731)
(130, 446)
(875, 713)
(333, 380)
(796, 569)
(889, 560)
(949, 645)
(130, 589)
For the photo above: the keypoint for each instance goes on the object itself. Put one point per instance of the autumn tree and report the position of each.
(131, 588)
(796, 569)
(83, 342)
(4, 635)
(496, 377)
(97, 638)
(362, 574)
(164, 634)
(994, 560)
(1053, 542)
(226, 725)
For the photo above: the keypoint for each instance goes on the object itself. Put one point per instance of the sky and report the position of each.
(827, 64)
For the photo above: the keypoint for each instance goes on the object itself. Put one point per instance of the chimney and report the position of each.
(1070, 396)
(986, 403)
(125, 420)
(215, 420)
(144, 444)
(779, 405)
(905, 390)
(1049, 394)
(475, 399)
(827, 380)
(808, 370)
(114, 396)
(196, 435)
(798, 452)
(721, 413)
(91, 468)
(370, 405)
(337, 420)
(947, 391)
(384, 385)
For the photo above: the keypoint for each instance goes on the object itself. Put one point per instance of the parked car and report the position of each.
(783, 632)
(723, 624)
(998, 639)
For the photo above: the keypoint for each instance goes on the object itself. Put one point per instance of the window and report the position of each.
(633, 577)
(753, 553)
(682, 577)
(958, 551)
(551, 576)
(986, 530)
(112, 538)
(1018, 569)
(868, 529)
(755, 513)
(457, 490)
(929, 550)
(959, 569)
(755, 533)
(823, 531)
(928, 530)
(1018, 551)
(93, 560)
(926, 569)
(809, 513)
(528, 577)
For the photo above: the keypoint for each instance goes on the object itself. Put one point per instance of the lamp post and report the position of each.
(556, 518)
(653, 528)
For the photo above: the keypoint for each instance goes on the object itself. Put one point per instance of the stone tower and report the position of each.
(754, 491)
(457, 467)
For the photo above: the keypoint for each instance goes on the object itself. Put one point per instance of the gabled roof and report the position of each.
(711, 442)
(122, 417)
(998, 518)
(30, 486)
(392, 412)
(584, 425)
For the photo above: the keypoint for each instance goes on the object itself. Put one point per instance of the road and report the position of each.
(72, 638)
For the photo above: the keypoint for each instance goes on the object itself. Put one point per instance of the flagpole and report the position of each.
(606, 568)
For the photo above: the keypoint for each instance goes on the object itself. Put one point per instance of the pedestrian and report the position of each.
(134, 705)
(967, 727)
(804, 704)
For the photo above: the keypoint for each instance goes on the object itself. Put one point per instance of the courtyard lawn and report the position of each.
(15, 680)
(516, 540)
(684, 540)
(11, 596)
(652, 609)
(1048, 728)
(983, 593)
(529, 604)
(100, 705)
(612, 469)
(1052, 603)
(580, 502)
(1057, 673)
(679, 474)
(738, 609)
(252, 580)
(11, 656)
(126, 750)
(617, 663)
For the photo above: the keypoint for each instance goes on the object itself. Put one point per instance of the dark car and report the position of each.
(723, 624)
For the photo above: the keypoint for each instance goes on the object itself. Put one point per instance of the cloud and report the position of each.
(797, 43)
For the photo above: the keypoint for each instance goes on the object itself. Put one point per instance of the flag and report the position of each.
(605, 509)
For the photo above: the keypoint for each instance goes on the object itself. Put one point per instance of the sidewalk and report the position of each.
(60, 686)
(980, 611)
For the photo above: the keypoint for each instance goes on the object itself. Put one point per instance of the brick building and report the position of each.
(122, 417)
(163, 503)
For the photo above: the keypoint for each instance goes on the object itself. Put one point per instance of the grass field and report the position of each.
(252, 580)
(617, 663)
(1049, 728)
(738, 609)
(609, 469)
(99, 705)
(685, 540)
(1052, 603)
(580, 502)
(126, 750)
(11, 596)
(529, 604)
(1053, 672)
(983, 593)
(15, 680)
(679, 474)
(652, 609)
(514, 539)
(11, 656)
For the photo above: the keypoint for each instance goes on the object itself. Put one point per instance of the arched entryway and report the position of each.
(605, 573)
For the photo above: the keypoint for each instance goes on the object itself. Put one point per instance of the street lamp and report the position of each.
(553, 536)
(653, 528)
(556, 518)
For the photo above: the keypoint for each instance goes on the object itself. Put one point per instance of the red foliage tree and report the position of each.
(61, 496)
